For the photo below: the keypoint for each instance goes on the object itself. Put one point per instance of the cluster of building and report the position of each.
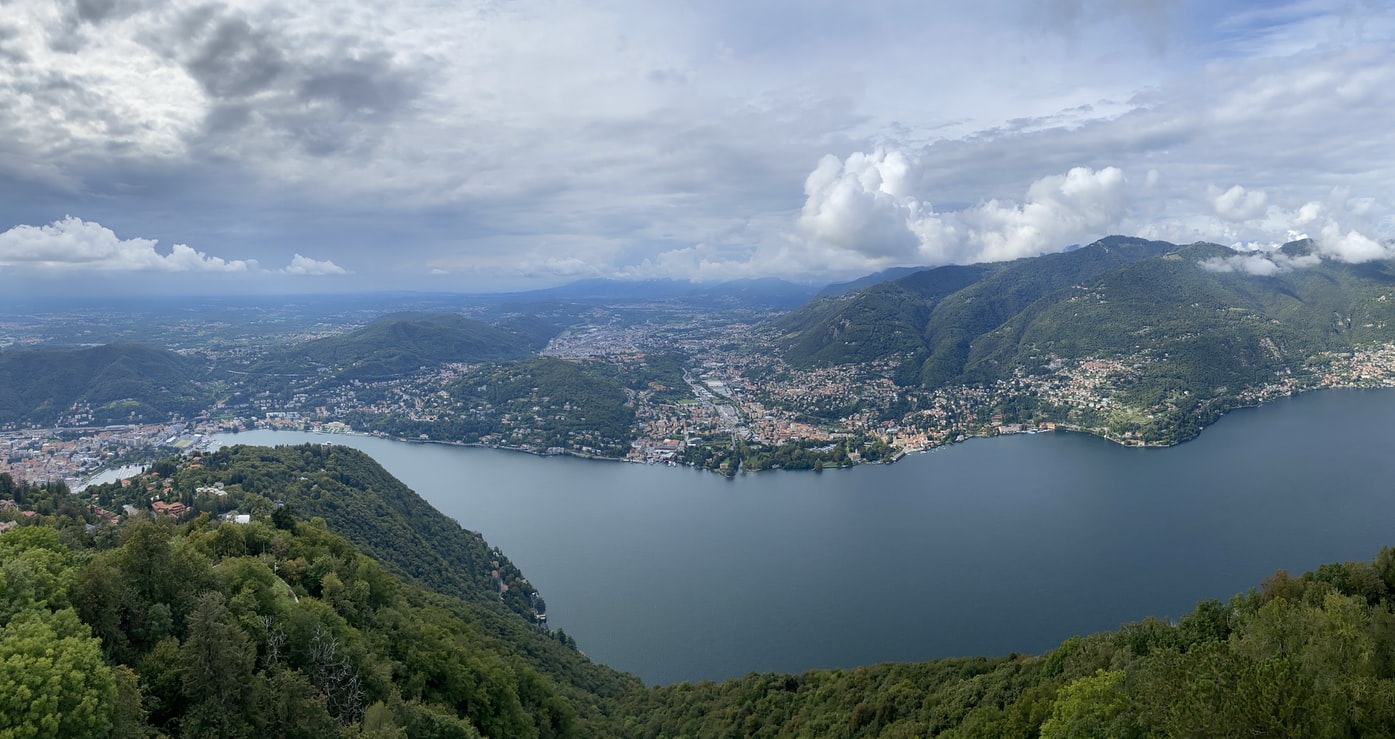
(735, 392)
(70, 454)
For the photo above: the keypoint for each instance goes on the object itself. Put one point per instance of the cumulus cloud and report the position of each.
(862, 204)
(1060, 210)
(1339, 229)
(1342, 228)
(75, 244)
(301, 265)
(866, 205)
(1237, 203)
(1351, 246)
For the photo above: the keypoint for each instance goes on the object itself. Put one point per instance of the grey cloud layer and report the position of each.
(529, 140)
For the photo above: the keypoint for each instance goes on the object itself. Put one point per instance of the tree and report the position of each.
(218, 661)
(1090, 706)
(284, 518)
(36, 570)
(53, 682)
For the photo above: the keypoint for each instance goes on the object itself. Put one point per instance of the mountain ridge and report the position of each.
(1186, 330)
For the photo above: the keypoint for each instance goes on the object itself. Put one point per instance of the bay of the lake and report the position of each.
(982, 548)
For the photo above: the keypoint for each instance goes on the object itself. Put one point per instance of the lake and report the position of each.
(982, 548)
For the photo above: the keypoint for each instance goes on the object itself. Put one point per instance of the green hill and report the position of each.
(535, 404)
(401, 344)
(276, 627)
(115, 383)
(935, 315)
(359, 499)
(1187, 333)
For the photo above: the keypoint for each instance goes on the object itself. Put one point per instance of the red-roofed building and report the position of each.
(173, 510)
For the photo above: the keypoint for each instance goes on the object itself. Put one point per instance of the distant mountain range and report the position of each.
(404, 343)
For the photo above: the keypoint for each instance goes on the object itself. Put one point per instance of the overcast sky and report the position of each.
(342, 145)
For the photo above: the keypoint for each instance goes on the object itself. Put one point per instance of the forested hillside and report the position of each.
(1203, 322)
(535, 404)
(271, 628)
(358, 499)
(115, 383)
(1143, 341)
(281, 627)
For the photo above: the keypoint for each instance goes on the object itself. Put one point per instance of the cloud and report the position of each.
(1060, 210)
(640, 130)
(1150, 18)
(1342, 226)
(1264, 265)
(306, 266)
(1237, 204)
(862, 204)
(75, 244)
(1351, 246)
(865, 205)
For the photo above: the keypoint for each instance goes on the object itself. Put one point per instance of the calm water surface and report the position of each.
(988, 547)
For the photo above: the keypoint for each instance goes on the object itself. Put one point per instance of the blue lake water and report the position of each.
(987, 547)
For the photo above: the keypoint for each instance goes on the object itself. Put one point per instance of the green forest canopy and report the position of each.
(284, 627)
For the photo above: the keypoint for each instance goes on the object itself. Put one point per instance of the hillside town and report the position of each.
(736, 389)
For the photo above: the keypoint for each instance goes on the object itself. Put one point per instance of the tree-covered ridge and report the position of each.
(1132, 339)
(934, 315)
(402, 344)
(357, 498)
(537, 404)
(116, 383)
(222, 629)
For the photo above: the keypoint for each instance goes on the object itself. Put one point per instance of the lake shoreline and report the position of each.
(678, 577)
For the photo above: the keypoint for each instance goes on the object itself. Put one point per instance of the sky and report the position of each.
(186, 147)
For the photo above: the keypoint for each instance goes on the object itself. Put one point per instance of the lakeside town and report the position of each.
(736, 391)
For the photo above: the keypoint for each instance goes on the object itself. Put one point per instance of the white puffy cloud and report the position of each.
(1351, 246)
(862, 204)
(1237, 203)
(301, 265)
(1342, 228)
(865, 205)
(1339, 227)
(1059, 210)
(75, 244)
